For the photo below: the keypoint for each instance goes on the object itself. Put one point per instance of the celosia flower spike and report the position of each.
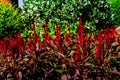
(5, 44)
(58, 38)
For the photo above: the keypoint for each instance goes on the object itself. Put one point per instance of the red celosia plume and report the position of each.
(30, 44)
(5, 44)
(20, 43)
(46, 36)
(81, 33)
(99, 46)
(58, 38)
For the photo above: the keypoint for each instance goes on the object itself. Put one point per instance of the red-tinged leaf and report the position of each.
(29, 36)
(24, 44)
(36, 41)
(115, 72)
(114, 56)
(40, 45)
(97, 53)
(105, 63)
(77, 56)
(19, 75)
(83, 56)
(64, 77)
(114, 30)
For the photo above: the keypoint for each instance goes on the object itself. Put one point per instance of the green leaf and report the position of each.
(54, 65)
(93, 65)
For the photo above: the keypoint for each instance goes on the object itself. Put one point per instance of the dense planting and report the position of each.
(82, 56)
(54, 44)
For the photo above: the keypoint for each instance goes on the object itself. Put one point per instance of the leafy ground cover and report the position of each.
(83, 55)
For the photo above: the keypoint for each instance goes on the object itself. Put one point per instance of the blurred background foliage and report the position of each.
(10, 19)
(67, 12)
(115, 7)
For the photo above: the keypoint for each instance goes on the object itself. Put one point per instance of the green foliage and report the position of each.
(91, 28)
(66, 12)
(10, 20)
(115, 11)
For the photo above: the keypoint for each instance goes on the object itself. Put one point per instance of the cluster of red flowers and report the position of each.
(17, 45)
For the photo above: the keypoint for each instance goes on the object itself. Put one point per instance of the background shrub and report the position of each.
(67, 12)
(10, 20)
(115, 11)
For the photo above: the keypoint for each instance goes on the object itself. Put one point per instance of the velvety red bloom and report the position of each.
(81, 28)
(100, 38)
(67, 37)
(20, 43)
(1, 45)
(10, 45)
(109, 35)
(81, 33)
(40, 45)
(5, 44)
(30, 44)
(113, 32)
(13, 46)
(106, 37)
(99, 46)
(58, 38)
